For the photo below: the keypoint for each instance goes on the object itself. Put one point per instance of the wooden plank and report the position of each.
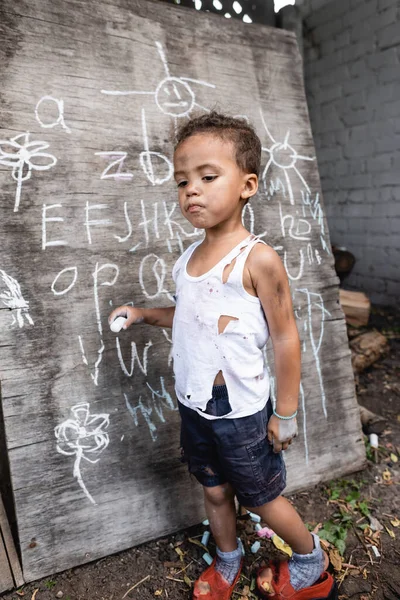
(10, 552)
(356, 307)
(6, 578)
(100, 227)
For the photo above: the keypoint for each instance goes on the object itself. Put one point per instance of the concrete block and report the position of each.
(355, 101)
(361, 30)
(330, 155)
(388, 144)
(389, 178)
(393, 288)
(327, 94)
(343, 136)
(327, 30)
(378, 95)
(383, 4)
(389, 36)
(386, 17)
(356, 196)
(389, 195)
(353, 86)
(357, 149)
(358, 49)
(380, 163)
(342, 39)
(383, 59)
(357, 117)
(388, 74)
(362, 12)
(394, 225)
(356, 182)
(326, 13)
(358, 68)
(342, 168)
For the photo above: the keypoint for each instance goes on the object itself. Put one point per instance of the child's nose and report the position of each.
(191, 189)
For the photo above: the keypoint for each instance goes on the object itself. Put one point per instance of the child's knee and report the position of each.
(219, 495)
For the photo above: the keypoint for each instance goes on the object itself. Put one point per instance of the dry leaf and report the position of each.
(393, 458)
(365, 574)
(158, 593)
(179, 553)
(187, 581)
(390, 532)
(193, 541)
(375, 524)
(281, 545)
(335, 559)
(395, 522)
(20, 593)
(387, 476)
(34, 594)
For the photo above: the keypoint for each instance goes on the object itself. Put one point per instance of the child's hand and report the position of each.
(131, 314)
(281, 432)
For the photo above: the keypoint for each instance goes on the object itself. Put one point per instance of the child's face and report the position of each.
(212, 188)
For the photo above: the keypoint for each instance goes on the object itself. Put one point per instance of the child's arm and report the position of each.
(271, 284)
(162, 317)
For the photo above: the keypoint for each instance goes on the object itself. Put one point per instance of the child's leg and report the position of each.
(308, 561)
(221, 512)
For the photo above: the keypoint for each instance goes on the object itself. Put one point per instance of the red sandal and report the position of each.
(323, 589)
(219, 587)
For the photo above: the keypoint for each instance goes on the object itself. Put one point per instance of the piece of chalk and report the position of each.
(254, 518)
(373, 440)
(375, 551)
(207, 558)
(205, 538)
(255, 547)
(117, 324)
(257, 527)
(240, 545)
(206, 522)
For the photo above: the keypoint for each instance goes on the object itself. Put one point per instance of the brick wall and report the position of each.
(352, 72)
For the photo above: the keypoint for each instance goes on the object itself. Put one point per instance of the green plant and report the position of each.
(49, 584)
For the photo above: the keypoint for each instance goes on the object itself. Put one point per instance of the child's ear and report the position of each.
(250, 186)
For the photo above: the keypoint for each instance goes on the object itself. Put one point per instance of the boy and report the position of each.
(232, 293)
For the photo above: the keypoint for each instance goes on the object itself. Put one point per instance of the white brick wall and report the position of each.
(352, 72)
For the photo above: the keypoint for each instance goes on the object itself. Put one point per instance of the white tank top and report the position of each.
(200, 352)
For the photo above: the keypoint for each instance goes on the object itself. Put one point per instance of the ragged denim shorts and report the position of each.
(232, 450)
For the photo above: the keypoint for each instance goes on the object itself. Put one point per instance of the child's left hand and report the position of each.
(281, 432)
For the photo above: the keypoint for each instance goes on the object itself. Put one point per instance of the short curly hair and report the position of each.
(236, 130)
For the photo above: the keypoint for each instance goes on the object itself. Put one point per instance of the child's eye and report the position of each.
(182, 184)
(209, 177)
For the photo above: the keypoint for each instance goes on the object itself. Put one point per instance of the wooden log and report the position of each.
(366, 349)
(355, 306)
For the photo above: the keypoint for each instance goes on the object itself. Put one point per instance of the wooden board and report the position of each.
(89, 220)
(10, 569)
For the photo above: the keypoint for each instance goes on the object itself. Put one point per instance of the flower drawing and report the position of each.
(23, 156)
(84, 437)
(13, 299)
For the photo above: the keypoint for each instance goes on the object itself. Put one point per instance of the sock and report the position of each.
(305, 569)
(228, 563)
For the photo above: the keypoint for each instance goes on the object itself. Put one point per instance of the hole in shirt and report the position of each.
(223, 322)
(230, 266)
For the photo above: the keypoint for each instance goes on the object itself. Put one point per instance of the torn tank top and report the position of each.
(200, 351)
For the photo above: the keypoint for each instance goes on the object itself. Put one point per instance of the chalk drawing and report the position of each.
(65, 290)
(13, 299)
(60, 108)
(313, 329)
(117, 160)
(23, 158)
(285, 157)
(46, 219)
(147, 161)
(84, 437)
(173, 96)
(159, 270)
(111, 282)
(98, 222)
(148, 407)
(134, 358)
(129, 224)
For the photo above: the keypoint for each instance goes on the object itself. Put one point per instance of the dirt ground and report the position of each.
(358, 516)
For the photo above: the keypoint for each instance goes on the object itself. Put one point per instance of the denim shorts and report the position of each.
(232, 450)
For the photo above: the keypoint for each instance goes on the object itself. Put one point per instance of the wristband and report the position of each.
(285, 418)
